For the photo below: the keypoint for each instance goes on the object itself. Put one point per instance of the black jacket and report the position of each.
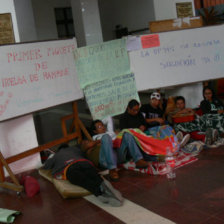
(211, 108)
(63, 158)
(129, 121)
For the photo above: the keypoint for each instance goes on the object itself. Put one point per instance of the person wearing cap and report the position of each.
(152, 112)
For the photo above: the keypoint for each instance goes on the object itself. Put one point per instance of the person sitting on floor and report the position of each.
(132, 118)
(152, 111)
(213, 111)
(195, 127)
(180, 110)
(69, 163)
(102, 153)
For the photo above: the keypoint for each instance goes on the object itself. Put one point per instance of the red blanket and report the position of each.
(149, 144)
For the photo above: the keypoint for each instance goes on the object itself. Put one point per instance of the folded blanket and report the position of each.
(149, 144)
(7, 216)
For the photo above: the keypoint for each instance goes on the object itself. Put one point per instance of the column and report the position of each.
(86, 19)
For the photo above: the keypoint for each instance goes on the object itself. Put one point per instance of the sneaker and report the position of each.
(110, 195)
(219, 142)
(141, 164)
(179, 136)
(193, 148)
(185, 140)
(113, 175)
(109, 200)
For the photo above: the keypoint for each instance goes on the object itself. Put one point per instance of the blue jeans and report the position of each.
(109, 157)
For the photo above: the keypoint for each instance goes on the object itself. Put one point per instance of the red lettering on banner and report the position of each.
(42, 65)
(13, 81)
(34, 77)
(21, 56)
(3, 106)
(60, 50)
(55, 74)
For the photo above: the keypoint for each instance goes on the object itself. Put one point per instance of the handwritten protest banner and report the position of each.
(181, 57)
(98, 62)
(35, 76)
(111, 96)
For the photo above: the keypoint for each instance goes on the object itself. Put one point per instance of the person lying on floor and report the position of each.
(133, 118)
(69, 163)
(102, 153)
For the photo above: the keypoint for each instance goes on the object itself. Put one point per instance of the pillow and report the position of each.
(68, 190)
(46, 174)
(64, 187)
(170, 104)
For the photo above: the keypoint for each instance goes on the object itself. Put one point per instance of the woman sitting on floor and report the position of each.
(213, 111)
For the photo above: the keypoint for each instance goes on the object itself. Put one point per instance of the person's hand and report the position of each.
(90, 144)
(160, 120)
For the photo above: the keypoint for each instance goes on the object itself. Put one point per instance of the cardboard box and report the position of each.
(175, 24)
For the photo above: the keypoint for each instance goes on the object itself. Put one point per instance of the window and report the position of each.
(64, 22)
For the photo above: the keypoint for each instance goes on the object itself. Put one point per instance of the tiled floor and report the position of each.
(196, 196)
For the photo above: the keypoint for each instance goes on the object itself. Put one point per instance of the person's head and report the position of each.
(155, 99)
(180, 102)
(133, 107)
(98, 127)
(208, 93)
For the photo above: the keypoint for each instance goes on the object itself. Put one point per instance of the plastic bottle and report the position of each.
(170, 163)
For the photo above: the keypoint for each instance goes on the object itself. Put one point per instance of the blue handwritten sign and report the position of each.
(101, 61)
(184, 56)
(111, 96)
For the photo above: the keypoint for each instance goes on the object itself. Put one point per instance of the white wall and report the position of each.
(45, 19)
(16, 136)
(166, 9)
(192, 93)
(7, 6)
(25, 20)
(133, 14)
